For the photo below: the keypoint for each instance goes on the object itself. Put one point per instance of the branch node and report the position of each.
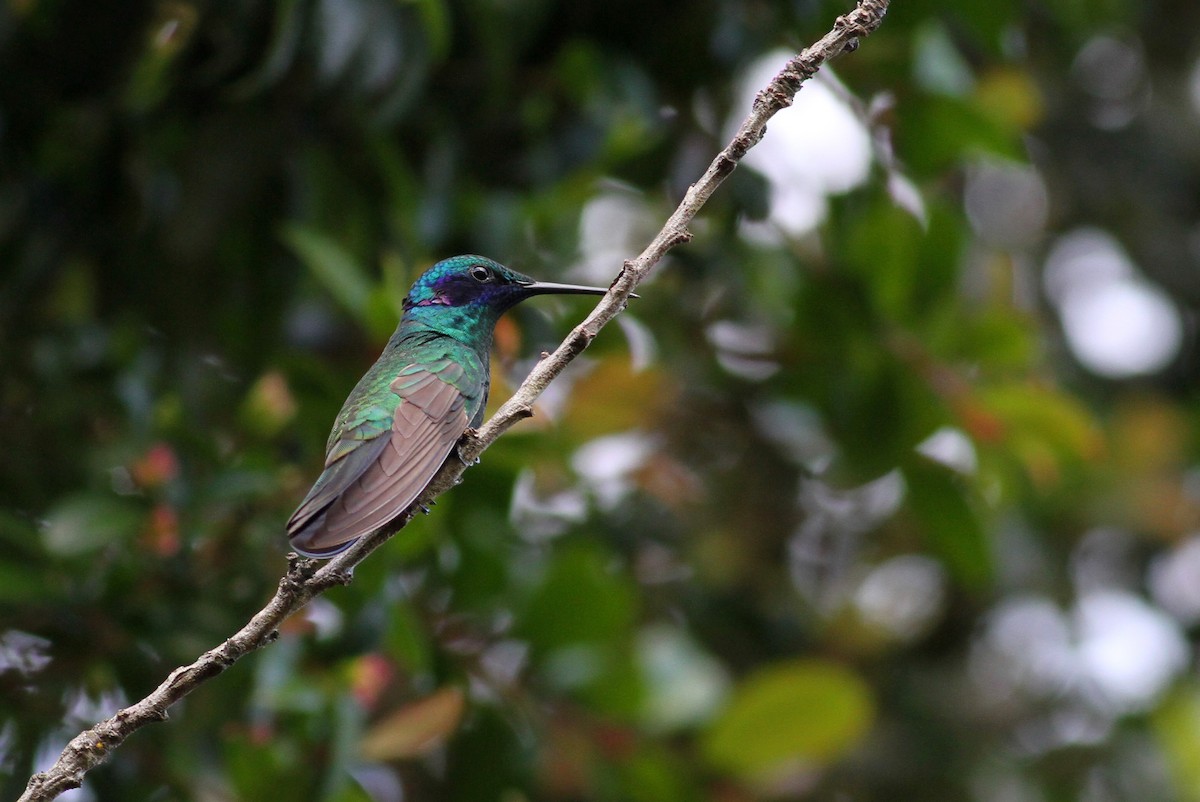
(681, 237)
(852, 24)
(728, 159)
(300, 569)
(778, 95)
(225, 656)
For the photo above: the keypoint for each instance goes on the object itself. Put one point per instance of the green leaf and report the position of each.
(1177, 724)
(485, 759)
(435, 19)
(810, 711)
(906, 269)
(332, 265)
(616, 689)
(938, 498)
(18, 584)
(581, 600)
(996, 338)
(408, 640)
(1042, 421)
(937, 132)
(656, 775)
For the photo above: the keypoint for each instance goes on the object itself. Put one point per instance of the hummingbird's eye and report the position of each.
(481, 274)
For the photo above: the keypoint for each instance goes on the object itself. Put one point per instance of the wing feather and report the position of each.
(369, 482)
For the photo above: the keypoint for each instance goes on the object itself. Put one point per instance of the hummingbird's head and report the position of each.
(477, 283)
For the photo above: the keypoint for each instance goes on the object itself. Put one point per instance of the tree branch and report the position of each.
(306, 578)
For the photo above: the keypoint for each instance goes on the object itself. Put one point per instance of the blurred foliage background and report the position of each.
(887, 488)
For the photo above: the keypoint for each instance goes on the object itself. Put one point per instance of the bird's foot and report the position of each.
(468, 434)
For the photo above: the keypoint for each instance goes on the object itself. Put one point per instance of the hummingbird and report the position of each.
(407, 413)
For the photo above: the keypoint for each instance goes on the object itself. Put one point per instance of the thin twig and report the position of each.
(306, 578)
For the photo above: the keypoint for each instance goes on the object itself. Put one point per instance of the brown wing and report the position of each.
(378, 478)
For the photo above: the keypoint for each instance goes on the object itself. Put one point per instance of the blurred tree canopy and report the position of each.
(887, 488)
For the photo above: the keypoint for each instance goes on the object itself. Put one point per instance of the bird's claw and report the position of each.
(469, 433)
